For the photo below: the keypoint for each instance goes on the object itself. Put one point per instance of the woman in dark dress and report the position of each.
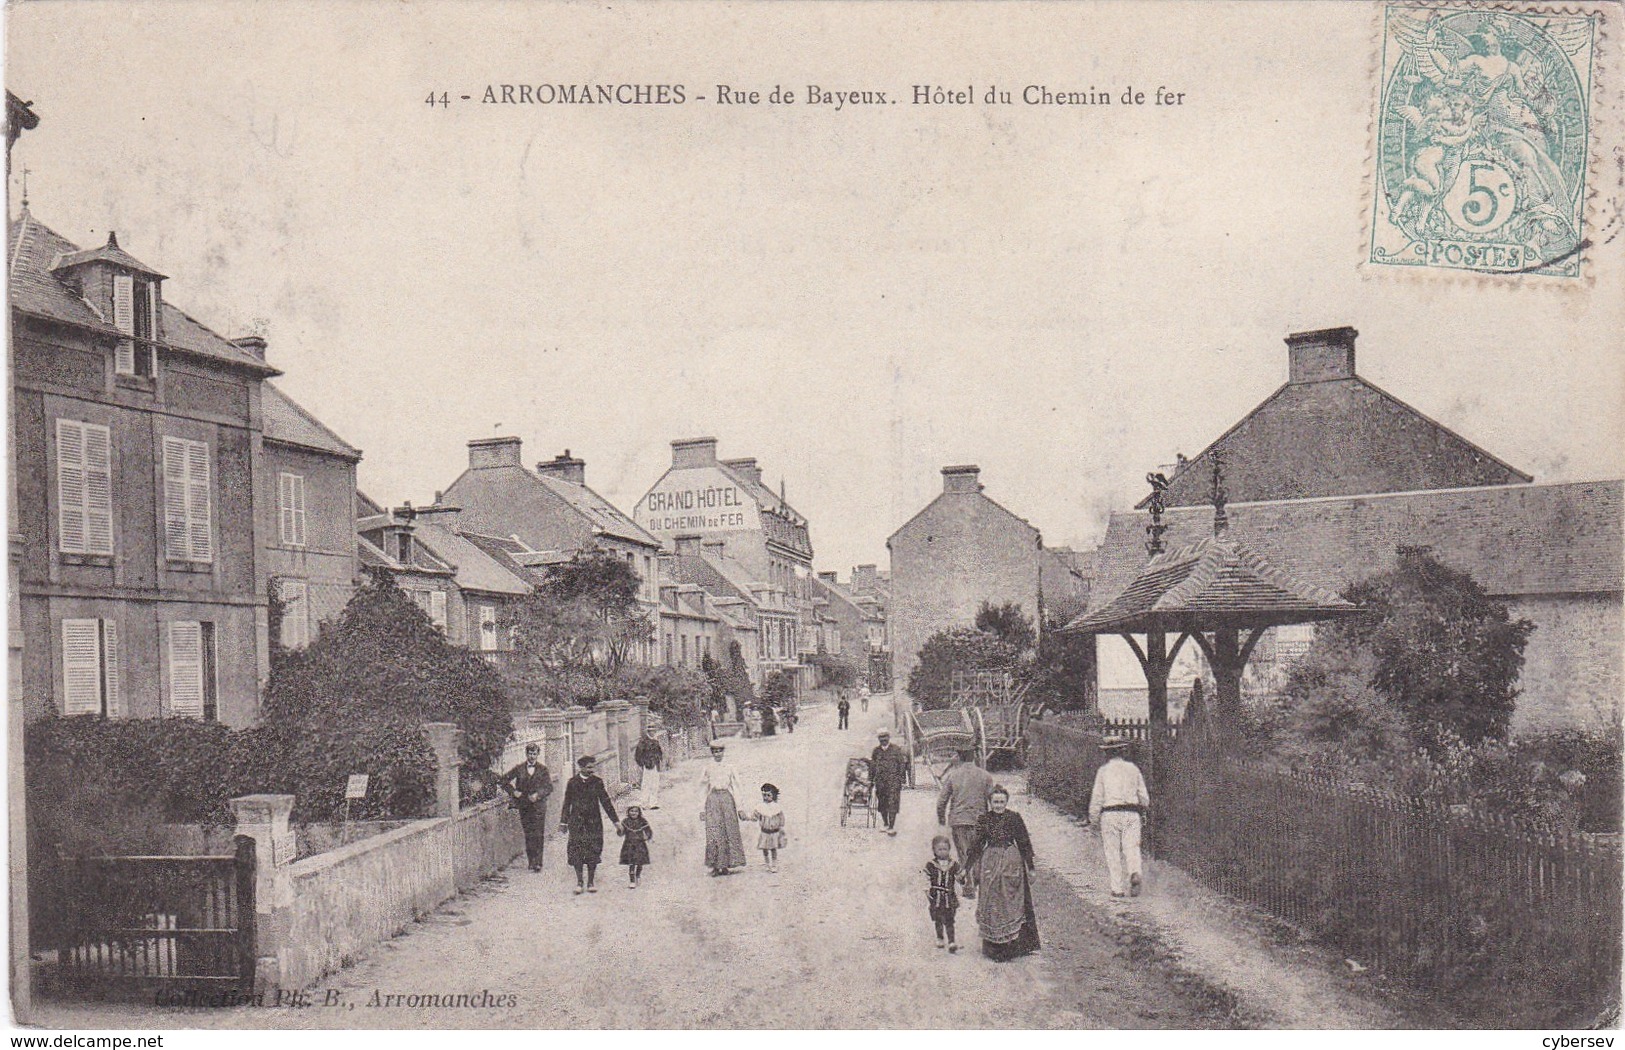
(1001, 854)
(584, 795)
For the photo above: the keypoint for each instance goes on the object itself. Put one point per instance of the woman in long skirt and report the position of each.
(724, 848)
(1001, 854)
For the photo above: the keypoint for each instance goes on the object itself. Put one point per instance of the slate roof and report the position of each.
(285, 421)
(35, 249)
(109, 252)
(1536, 539)
(505, 551)
(1214, 581)
(476, 570)
(708, 576)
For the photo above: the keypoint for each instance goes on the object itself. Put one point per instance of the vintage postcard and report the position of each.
(829, 515)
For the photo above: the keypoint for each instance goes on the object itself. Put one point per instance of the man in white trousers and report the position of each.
(1117, 808)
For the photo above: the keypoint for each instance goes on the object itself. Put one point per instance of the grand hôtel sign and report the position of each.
(700, 500)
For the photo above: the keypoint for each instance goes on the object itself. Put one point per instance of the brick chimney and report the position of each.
(687, 544)
(962, 478)
(746, 466)
(565, 467)
(864, 578)
(694, 452)
(485, 453)
(829, 577)
(1316, 357)
(715, 548)
(254, 345)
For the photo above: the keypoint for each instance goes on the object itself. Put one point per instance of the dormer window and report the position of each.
(135, 312)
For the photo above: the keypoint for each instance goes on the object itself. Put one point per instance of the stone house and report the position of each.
(142, 502)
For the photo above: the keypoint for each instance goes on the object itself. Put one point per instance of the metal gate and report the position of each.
(144, 923)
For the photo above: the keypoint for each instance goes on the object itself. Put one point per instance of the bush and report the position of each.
(382, 664)
(834, 672)
(779, 690)
(680, 697)
(957, 649)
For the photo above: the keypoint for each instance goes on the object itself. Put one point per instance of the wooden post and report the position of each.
(247, 924)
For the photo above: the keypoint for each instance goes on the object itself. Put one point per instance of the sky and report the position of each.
(1065, 295)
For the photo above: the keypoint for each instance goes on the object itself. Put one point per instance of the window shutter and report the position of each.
(70, 486)
(488, 628)
(295, 612)
(176, 539)
(199, 518)
(186, 669)
(81, 667)
(285, 507)
(98, 489)
(152, 301)
(437, 608)
(124, 321)
(291, 500)
(110, 675)
(299, 509)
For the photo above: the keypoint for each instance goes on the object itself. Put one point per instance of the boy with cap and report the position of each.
(1116, 808)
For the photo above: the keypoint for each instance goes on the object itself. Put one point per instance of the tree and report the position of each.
(956, 649)
(1007, 623)
(373, 677)
(1443, 652)
(736, 678)
(833, 671)
(605, 587)
(679, 696)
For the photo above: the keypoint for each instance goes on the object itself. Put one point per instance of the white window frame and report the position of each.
(188, 501)
(294, 594)
(90, 668)
(291, 509)
(437, 609)
(84, 487)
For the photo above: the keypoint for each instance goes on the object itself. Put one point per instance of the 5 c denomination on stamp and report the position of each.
(1483, 140)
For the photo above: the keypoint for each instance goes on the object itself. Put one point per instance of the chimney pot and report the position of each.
(253, 344)
(963, 478)
(565, 467)
(1322, 355)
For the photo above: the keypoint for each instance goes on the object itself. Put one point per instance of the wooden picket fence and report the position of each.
(1517, 924)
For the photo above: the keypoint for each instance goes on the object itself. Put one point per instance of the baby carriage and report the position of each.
(858, 792)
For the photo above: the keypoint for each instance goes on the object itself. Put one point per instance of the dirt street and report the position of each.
(839, 938)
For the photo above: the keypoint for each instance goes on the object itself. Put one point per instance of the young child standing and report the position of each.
(770, 816)
(635, 850)
(942, 871)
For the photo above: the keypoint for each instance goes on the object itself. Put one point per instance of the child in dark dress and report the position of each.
(635, 850)
(942, 871)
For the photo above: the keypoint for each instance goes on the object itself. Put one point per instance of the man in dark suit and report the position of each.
(529, 784)
(888, 769)
(584, 795)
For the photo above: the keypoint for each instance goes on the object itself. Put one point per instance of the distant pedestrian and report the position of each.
(1117, 806)
(966, 790)
(649, 755)
(719, 781)
(941, 872)
(888, 768)
(1002, 855)
(843, 709)
(863, 696)
(636, 834)
(584, 796)
(769, 816)
(528, 784)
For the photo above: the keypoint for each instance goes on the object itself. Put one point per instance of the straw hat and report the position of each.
(1114, 743)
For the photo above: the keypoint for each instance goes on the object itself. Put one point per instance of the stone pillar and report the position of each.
(579, 744)
(264, 818)
(555, 756)
(445, 740)
(619, 724)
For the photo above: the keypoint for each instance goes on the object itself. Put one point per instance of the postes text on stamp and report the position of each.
(1483, 140)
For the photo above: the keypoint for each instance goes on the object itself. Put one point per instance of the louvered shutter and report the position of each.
(177, 543)
(299, 510)
(81, 667)
(437, 608)
(186, 669)
(110, 676)
(124, 321)
(295, 612)
(98, 489)
(198, 512)
(284, 500)
(70, 486)
(291, 500)
(488, 627)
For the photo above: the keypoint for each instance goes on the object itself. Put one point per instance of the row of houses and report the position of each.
(164, 488)
(1327, 478)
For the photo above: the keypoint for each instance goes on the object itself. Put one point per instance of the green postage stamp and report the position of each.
(1483, 139)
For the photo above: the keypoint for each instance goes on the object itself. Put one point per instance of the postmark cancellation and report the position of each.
(1483, 140)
